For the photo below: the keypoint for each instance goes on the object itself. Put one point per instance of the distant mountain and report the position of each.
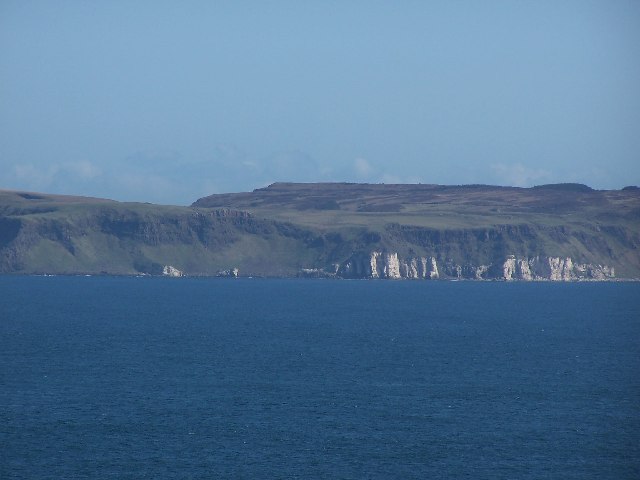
(549, 232)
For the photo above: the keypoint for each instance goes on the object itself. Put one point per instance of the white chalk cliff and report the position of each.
(554, 269)
(170, 271)
(389, 265)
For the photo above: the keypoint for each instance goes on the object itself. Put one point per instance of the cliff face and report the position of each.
(143, 239)
(390, 266)
(553, 268)
(555, 233)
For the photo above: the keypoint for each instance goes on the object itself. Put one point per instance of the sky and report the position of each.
(167, 102)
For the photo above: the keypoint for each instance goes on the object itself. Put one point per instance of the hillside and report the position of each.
(558, 232)
(58, 234)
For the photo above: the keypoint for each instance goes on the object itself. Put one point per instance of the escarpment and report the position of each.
(418, 232)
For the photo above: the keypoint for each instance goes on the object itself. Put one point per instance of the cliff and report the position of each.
(390, 266)
(468, 230)
(554, 232)
(72, 235)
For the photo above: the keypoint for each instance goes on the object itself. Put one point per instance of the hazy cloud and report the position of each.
(363, 168)
(294, 166)
(38, 177)
(365, 171)
(31, 177)
(82, 169)
(173, 178)
(518, 175)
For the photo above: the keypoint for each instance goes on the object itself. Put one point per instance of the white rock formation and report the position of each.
(373, 264)
(391, 268)
(433, 270)
(509, 268)
(560, 269)
(389, 265)
(382, 265)
(524, 270)
(419, 268)
(410, 269)
(556, 269)
(233, 273)
(516, 268)
(170, 271)
(480, 271)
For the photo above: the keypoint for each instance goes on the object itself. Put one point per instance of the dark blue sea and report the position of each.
(129, 378)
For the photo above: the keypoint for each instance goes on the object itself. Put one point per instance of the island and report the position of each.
(557, 232)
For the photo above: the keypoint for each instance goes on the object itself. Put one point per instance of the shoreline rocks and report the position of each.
(170, 271)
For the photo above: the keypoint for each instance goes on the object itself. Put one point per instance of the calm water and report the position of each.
(209, 378)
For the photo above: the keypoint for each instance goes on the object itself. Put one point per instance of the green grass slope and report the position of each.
(53, 234)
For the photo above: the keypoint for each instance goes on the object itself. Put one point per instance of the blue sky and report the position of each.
(170, 101)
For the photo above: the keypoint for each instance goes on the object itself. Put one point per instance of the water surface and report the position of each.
(104, 377)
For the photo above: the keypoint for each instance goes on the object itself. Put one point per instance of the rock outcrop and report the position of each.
(170, 271)
(372, 265)
(390, 266)
(554, 269)
(419, 268)
(231, 273)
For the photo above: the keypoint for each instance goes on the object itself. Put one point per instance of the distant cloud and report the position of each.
(293, 165)
(518, 175)
(365, 171)
(249, 164)
(82, 169)
(31, 177)
(363, 168)
(173, 178)
(597, 177)
(145, 183)
(34, 177)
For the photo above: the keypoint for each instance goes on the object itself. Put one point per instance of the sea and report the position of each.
(203, 378)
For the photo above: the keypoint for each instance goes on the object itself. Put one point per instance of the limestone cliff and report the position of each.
(554, 269)
(372, 265)
(389, 266)
(420, 267)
